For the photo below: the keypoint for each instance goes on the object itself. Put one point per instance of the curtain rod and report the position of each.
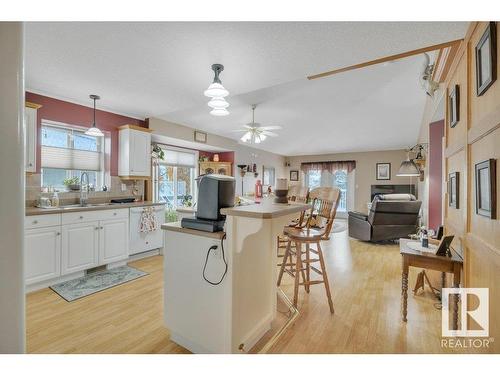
(329, 161)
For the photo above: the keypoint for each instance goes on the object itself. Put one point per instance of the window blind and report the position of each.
(67, 158)
(179, 158)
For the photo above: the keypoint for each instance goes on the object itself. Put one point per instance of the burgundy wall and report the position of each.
(74, 114)
(436, 134)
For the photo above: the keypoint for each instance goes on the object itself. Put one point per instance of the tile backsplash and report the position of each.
(33, 191)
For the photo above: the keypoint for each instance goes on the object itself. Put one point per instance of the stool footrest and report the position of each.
(316, 270)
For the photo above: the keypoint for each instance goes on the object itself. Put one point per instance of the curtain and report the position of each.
(330, 166)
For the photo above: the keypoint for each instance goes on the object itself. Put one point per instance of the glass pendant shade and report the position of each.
(95, 132)
(408, 168)
(219, 112)
(216, 90)
(218, 103)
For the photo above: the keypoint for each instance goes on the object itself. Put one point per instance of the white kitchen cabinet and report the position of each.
(113, 240)
(42, 259)
(80, 247)
(30, 136)
(134, 154)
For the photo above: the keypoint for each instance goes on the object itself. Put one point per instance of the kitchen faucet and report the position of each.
(84, 189)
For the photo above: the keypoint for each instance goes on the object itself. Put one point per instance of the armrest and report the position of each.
(358, 215)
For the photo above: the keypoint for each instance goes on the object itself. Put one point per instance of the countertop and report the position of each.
(265, 210)
(30, 211)
(176, 227)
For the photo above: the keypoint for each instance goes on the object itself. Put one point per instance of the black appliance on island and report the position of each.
(214, 192)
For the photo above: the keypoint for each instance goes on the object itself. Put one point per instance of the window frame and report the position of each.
(194, 174)
(102, 176)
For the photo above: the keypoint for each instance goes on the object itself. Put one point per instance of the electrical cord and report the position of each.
(215, 247)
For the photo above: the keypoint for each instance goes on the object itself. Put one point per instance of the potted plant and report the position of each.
(72, 183)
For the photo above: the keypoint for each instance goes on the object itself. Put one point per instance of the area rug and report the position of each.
(96, 282)
(339, 226)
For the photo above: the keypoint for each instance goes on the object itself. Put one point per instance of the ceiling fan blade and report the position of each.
(238, 130)
(270, 134)
(274, 127)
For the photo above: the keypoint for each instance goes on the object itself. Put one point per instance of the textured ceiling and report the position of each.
(161, 70)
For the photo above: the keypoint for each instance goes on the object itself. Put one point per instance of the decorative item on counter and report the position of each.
(204, 158)
(187, 200)
(104, 188)
(281, 190)
(216, 157)
(55, 200)
(72, 183)
(258, 189)
(269, 190)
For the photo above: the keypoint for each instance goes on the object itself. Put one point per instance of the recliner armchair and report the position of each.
(391, 216)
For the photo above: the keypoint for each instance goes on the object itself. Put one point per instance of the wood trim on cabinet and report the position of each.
(134, 177)
(135, 127)
(397, 56)
(32, 105)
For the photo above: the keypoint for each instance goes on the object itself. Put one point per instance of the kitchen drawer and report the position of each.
(85, 216)
(40, 221)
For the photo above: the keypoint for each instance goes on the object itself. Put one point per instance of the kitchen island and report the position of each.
(209, 308)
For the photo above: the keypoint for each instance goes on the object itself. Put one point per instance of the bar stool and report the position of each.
(298, 262)
(297, 194)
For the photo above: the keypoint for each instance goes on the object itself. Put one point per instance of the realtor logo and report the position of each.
(478, 316)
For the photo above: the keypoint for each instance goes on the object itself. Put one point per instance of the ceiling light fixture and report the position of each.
(217, 92)
(94, 130)
(254, 132)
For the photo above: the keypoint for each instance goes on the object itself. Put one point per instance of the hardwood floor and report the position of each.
(366, 286)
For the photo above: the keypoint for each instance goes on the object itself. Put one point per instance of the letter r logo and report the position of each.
(479, 314)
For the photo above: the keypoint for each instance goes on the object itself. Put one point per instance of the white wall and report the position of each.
(242, 154)
(12, 331)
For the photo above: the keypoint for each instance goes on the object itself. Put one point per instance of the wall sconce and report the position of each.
(414, 167)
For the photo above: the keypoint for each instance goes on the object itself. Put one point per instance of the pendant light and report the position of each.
(217, 92)
(94, 130)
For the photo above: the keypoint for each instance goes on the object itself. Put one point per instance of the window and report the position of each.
(175, 177)
(340, 178)
(67, 152)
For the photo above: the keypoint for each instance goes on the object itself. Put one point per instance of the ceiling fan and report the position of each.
(254, 132)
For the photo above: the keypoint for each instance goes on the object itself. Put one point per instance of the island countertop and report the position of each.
(176, 227)
(265, 210)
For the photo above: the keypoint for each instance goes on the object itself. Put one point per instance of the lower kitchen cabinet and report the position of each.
(42, 259)
(113, 240)
(80, 247)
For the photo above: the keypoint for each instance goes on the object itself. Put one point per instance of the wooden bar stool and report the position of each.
(297, 261)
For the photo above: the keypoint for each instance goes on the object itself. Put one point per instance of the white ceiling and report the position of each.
(161, 70)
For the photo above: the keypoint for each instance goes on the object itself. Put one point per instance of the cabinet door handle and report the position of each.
(96, 228)
(35, 221)
(114, 213)
(102, 228)
(81, 217)
(58, 233)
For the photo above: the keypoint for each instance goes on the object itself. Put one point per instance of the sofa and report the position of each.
(391, 216)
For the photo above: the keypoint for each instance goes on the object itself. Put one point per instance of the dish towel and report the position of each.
(148, 222)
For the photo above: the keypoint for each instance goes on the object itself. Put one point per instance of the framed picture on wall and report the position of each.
(200, 137)
(294, 175)
(454, 105)
(383, 171)
(453, 190)
(486, 188)
(486, 59)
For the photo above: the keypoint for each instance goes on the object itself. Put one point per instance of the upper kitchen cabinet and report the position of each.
(134, 159)
(30, 136)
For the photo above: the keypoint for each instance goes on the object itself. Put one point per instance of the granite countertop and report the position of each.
(30, 211)
(176, 227)
(265, 210)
